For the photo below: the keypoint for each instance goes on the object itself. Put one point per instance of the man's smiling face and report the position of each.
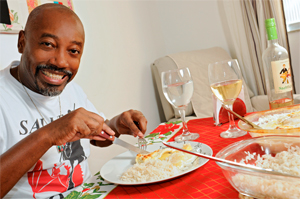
(52, 45)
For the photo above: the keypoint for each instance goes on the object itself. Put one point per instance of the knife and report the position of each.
(123, 143)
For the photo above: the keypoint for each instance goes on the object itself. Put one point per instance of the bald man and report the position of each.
(44, 116)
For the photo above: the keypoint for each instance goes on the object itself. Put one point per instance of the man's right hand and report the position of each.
(76, 125)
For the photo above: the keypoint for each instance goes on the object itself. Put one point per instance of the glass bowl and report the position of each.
(254, 117)
(263, 184)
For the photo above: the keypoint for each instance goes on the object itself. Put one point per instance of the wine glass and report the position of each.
(178, 89)
(225, 81)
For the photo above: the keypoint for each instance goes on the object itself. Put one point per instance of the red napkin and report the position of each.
(238, 106)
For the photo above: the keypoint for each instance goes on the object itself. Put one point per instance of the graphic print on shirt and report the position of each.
(62, 177)
(74, 154)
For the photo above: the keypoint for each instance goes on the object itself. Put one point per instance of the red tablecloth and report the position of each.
(206, 182)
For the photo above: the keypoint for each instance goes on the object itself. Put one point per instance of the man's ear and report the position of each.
(21, 41)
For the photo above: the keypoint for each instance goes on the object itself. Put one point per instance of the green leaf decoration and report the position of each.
(169, 133)
(101, 184)
(16, 19)
(163, 138)
(15, 15)
(97, 191)
(88, 196)
(98, 173)
(88, 185)
(101, 178)
(73, 195)
(12, 11)
(152, 135)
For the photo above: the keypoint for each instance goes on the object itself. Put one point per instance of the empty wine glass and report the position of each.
(225, 81)
(178, 89)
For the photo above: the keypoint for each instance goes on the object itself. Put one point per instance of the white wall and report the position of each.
(8, 49)
(191, 25)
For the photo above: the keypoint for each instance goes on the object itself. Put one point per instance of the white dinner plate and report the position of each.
(114, 168)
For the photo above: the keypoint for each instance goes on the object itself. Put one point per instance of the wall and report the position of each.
(8, 49)
(191, 25)
(123, 38)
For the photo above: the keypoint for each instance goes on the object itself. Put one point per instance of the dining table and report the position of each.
(207, 181)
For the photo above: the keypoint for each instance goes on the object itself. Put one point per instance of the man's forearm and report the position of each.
(15, 162)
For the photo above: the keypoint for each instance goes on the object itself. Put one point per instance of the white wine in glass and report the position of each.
(178, 88)
(226, 84)
(227, 91)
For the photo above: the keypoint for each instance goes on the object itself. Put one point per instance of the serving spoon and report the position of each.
(236, 164)
(241, 118)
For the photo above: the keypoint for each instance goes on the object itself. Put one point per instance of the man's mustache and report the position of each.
(54, 68)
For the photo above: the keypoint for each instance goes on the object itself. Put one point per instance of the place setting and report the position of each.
(162, 163)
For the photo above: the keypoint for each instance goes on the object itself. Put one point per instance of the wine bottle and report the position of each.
(277, 70)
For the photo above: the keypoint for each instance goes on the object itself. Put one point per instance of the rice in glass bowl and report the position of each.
(279, 153)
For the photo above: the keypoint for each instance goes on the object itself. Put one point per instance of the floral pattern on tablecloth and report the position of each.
(163, 132)
(97, 187)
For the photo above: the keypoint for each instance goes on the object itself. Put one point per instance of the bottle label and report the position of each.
(282, 76)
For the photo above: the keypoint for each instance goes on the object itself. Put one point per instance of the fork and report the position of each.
(142, 143)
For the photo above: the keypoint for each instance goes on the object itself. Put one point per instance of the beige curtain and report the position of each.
(245, 20)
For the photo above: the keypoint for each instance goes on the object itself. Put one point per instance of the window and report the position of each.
(292, 14)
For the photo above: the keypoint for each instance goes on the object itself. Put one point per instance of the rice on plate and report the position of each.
(160, 164)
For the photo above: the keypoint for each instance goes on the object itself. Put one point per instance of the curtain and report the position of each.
(245, 20)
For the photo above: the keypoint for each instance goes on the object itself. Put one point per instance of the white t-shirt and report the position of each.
(55, 172)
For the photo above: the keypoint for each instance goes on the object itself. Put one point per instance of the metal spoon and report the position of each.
(236, 164)
(242, 118)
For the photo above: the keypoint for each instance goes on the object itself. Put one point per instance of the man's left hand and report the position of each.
(130, 122)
